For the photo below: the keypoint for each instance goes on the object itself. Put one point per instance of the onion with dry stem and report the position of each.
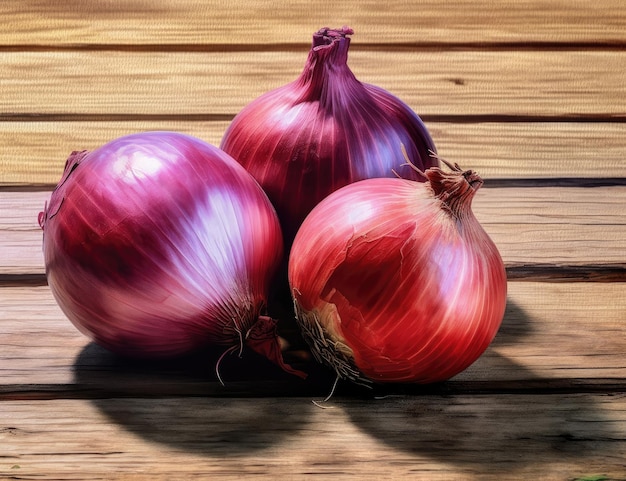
(157, 244)
(322, 131)
(396, 281)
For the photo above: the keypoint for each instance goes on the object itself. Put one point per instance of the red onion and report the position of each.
(322, 131)
(157, 243)
(396, 281)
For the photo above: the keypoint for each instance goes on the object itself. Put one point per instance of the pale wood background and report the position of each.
(530, 93)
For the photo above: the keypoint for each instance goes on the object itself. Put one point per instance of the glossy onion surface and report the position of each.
(158, 243)
(324, 130)
(396, 281)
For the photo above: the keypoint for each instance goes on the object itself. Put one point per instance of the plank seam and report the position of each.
(575, 182)
(556, 386)
(613, 272)
(486, 46)
(227, 117)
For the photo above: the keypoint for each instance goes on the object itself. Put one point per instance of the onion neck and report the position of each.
(51, 209)
(262, 338)
(327, 60)
(455, 189)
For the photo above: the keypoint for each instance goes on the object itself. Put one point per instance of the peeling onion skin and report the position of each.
(157, 244)
(396, 281)
(324, 130)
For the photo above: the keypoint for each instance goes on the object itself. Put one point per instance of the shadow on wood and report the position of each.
(501, 430)
(219, 427)
(515, 326)
(100, 373)
(181, 404)
(539, 421)
(467, 422)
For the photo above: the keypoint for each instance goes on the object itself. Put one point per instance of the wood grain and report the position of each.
(193, 22)
(34, 152)
(43, 354)
(561, 84)
(466, 438)
(530, 93)
(552, 227)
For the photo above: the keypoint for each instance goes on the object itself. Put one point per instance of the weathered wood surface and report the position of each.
(550, 83)
(530, 93)
(486, 437)
(35, 23)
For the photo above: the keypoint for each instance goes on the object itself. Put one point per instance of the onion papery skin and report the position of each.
(324, 130)
(395, 281)
(158, 243)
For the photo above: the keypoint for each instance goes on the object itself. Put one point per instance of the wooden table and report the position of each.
(530, 93)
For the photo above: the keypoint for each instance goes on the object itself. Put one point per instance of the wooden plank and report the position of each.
(552, 227)
(487, 437)
(569, 84)
(515, 89)
(554, 336)
(34, 152)
(36, 22)
(534, 149)
(21, 236)
(558, 226)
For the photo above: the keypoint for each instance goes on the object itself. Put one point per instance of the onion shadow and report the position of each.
(181, 404)
(516, 326)
(488, 431)
(216, 427)
(483, 420)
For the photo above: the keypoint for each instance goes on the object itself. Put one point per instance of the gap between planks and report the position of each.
(463, 118)
(515, 273)
(281, 389)
(399, 46)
